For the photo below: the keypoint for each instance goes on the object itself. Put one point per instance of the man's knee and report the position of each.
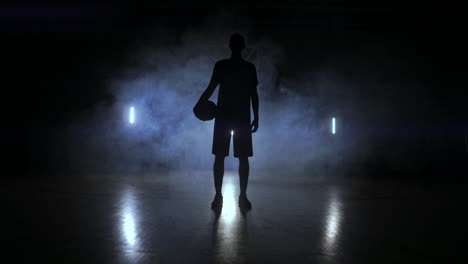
(219, 159)
(244, 160)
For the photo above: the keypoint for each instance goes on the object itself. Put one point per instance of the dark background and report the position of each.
(54, 55)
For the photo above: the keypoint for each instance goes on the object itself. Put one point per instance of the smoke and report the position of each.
(163, 83)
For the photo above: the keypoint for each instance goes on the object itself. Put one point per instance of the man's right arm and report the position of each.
(211, 86)
(255, 103)
(254, 98)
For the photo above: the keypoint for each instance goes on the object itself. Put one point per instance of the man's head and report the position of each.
(236, 42)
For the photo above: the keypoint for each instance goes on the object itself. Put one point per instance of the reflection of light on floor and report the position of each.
(128, 227)
(230, 243)
(128, 222)
(332, 224)
(229, 212)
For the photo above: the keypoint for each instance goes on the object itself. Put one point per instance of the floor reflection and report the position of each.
(128, 214)
(230, 236)
(332, 223)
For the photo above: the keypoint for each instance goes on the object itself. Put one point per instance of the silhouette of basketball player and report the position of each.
(237, 80)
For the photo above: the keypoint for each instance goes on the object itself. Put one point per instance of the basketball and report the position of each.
(205, 111)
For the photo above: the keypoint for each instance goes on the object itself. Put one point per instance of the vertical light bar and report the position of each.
(333, 126)
(232, 132)
(131, 117)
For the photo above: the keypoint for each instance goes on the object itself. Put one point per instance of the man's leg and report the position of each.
(243, 175)
(244, 203)
(218, 171)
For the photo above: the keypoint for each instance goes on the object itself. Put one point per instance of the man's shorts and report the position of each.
(242, 139)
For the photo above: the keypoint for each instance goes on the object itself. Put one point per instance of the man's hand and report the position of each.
(254, 125)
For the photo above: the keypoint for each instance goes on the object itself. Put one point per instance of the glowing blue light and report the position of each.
(131, 116)
(232, 132)
(333, 126)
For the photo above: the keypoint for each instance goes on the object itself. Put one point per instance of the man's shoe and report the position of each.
(244, 203)
(217, 202)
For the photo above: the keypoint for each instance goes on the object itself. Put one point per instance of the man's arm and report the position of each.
(254, 98)
(211, 87)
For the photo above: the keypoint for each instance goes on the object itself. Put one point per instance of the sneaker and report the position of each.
(217, 202)
(244, 203)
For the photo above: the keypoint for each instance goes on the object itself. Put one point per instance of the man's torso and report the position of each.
(237, 78)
